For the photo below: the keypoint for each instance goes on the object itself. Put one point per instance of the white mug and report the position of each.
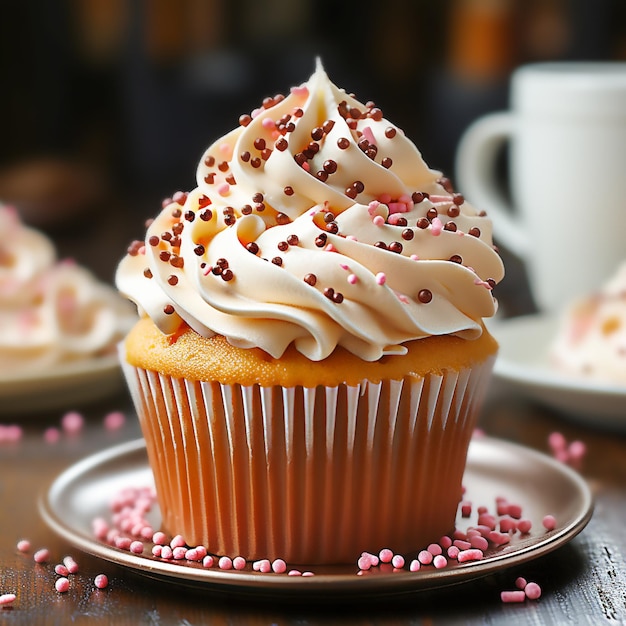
(567, 144)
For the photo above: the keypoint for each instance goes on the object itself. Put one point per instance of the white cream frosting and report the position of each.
(591, 342)
(261, 205)
(50, 311)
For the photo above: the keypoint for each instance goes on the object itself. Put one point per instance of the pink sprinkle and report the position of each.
(397, 561)
(123, 543)
(294, 572)
(486, 519)
(114, 420)
(385, 198)
(498, 539)
(72, 422)
(279, 566)
(201, 550)
(395, 214)
(159, 538)
(157, 550)
(425, 557)
(512, 596)
(368, 134)
(179, 553)
(208, 561)
(459, 534)
(51, 435)
(352, 279)
(62, 585)
(166, 552)
(374, 560)
(436, 227)
(373, 207)
(225, 563)
(101, 581)
(379, 220)
(473, 554)
(462, 544)
(466, 509)
(397, 207)
(306, 167)
(302, 90)
(440, 561)
(385, 555)
(42, 556)
(330, 248)
(524, 526)
(445, 542)
(307, 574)
(264, 566)
(268, 123)
(515, 511)
(23, 545)
(7, 598)
(549, 522)
(10, 433)
(192, 555)
(381, 278)
(479, 542)
(415, 565)
(223, 189)
(520, 582)
(557, 441)
(70, 563)
(453, 552)
(532, 591)
(136, 547)
(434, 549)
(507, 524)
(364, 563)
(239, 563)
(61, 570)
(177, 542)
(577, 450)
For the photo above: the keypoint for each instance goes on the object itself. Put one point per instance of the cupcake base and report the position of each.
(309, 474)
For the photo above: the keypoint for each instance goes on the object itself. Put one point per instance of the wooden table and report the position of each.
(583, 582)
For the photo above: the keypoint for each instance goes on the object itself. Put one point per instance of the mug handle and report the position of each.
(475, 171)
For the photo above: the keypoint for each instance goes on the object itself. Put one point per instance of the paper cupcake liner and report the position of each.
(310, 475)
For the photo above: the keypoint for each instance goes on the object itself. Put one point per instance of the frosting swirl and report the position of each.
(316, 222)
(50, 311)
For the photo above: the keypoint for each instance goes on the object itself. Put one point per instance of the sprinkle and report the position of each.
(378, 220)
(512, 596)
(549, 522)
(223, 189)
(225, 563)
(72, 422)
(101, 581)
(62, 585)
(524, 526)
(177, 542)
(352, 279)
(436, 227)
(532, 591)
(42, 556)
(239, 563)
(208, 561)
(425, 557)
(61, 570)
(136, 547)
(385, 555)
(520, 582)
(70, 563)
(381, 278)
(7, 598)
(51, 435)
(23, 545)
(279, 566)
(472, 554)
(415, 566)
(397, 561)
(114, 420)
(440, 561)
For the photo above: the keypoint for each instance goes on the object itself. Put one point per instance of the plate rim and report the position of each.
(339, 585)
(540, 373)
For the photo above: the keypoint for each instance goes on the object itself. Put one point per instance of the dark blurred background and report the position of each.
(107, 105)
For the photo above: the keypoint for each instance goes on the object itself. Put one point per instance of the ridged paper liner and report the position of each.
(310, 475)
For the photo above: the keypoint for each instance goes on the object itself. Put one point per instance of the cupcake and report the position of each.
(591, 339)
(311, 355)
(51, 312)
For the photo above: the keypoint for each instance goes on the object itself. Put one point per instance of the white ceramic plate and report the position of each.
(62, 386)
(495, 468)
(523, 363)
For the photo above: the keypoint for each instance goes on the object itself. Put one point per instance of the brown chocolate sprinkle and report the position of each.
(451, 226)
(221, 262)
(259, 206)
(320, 240)
(203, 201)
(330, 166)
(446, 183)
(425, 296)
(252, 247)
(210, 178)
(168, 309)
(277, 261)
(177, 261)
(418, 196)
(245, 119)
(387, 162)
(395, 246)
(491, 282)
(282, 246)
(390, 132)
(453, 211)
(332, 227)
(455, 258)
(281, 145)
(288, 190)
(423, 223)
(229, 220)
(206, 216)
(265, 154)
(256, 162)
(328, 126)
(246, 209)
(458, 199)
(380, 244)
(376, 114)
(321, 175)
(407, 234)
(199, 250)
(282, 219)
(227, 275)
(317, 133)
(310, 279)
(432, 213)
(223, 166)
(172, 279)
(329, 217)
(166, 236)
(230, 179)
(343, 143)
(209, 161)
(298, 112)
(245, 156)
(474, 231)
(135, 246)
(400, 221)
(259, 143)
(147, 272)
(190, 216)
(293, 240)
(164, 255)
